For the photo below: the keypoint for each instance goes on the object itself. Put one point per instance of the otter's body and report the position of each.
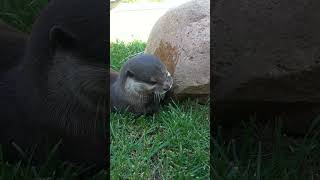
(140, 85)
(58, 89)
(12, 45)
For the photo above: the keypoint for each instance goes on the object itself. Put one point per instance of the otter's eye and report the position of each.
(153, 82)
(130, 74)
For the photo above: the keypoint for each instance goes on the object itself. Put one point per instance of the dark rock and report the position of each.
(266, 61)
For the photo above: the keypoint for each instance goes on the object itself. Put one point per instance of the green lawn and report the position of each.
(173, 144)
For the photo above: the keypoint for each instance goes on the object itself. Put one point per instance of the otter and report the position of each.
(57, 93)
(140, 86)
(12, 44)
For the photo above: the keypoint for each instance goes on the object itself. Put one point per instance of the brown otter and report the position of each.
(141, 84)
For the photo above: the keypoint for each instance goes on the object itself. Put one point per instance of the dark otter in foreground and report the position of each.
(141, 84)
(12, 44)
(58, 90)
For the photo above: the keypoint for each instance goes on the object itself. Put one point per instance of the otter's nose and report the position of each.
(166, 87)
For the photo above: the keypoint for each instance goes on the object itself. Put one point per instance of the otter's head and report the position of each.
(145, 76)
(64, 65)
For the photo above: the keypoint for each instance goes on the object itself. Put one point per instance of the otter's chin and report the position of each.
(163, 92)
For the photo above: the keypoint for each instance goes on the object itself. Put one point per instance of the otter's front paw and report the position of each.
(137, 115)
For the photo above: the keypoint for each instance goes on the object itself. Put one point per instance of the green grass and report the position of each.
(21, 13)
(260, 154)
(52, 168)
(173, 144)
(121, 51)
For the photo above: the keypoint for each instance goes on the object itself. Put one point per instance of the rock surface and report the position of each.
(267, 60)
(181, 39)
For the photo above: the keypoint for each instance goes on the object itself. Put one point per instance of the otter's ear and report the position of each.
(129, 73)
(60, 37)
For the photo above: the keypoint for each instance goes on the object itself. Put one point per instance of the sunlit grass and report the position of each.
(174, 144)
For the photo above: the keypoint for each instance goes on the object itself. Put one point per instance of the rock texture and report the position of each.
(267, 60)
(181, 39)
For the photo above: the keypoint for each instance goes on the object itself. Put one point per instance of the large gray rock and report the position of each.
(266, 60)
(181, 39)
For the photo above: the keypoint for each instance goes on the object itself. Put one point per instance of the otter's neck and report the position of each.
(128, 90)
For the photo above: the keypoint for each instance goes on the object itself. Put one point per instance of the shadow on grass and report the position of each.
(52, 168)
(265, 152)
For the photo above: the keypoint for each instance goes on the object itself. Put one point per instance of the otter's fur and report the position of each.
(12, 45)
(140, 86)
(57, 92)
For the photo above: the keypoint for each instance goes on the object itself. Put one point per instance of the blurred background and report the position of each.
(133, 19)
